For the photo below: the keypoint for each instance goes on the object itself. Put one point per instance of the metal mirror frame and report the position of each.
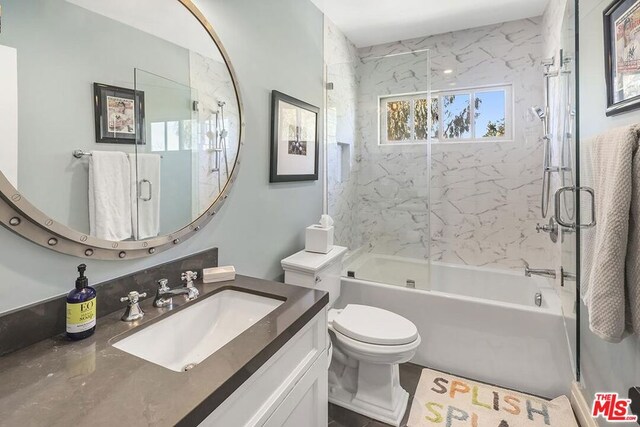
(21, 217)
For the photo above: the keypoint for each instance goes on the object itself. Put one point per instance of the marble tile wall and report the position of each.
(552, 20)
(341, 105)
(554, 39)
(211, 82)
(485, 197)
(393, 181)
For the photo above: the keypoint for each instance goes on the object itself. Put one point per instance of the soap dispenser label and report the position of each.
(81, 316)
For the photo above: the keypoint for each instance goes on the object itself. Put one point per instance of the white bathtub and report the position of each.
(475, 322)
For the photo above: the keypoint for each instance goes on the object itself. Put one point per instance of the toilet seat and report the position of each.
(376, 353)
(372, 325)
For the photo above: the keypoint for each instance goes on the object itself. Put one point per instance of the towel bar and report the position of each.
(78, 154)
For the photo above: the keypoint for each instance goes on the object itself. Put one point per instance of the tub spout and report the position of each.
(544, 272)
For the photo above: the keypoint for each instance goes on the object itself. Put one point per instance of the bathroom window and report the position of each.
(172, 135)
(469, 115)
(399, 120)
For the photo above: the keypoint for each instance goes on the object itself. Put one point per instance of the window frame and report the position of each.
(473, 91)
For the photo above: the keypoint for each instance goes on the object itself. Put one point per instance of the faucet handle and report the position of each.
(163, 285)
(133, 297)
(133, 311)
(189, 277)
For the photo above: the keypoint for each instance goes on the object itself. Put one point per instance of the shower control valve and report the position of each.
(551, 228)
(545, 228)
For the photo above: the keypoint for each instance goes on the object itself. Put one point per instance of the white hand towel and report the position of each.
(109, 195)
(611, 259)
(146, 217)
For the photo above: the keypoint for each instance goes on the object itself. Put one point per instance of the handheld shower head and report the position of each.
(539, 113)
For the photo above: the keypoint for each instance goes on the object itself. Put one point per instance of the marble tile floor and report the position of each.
(340, 417)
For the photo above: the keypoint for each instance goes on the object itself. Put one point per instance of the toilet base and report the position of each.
(378, 393)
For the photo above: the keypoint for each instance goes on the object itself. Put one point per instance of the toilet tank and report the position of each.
(316, 271)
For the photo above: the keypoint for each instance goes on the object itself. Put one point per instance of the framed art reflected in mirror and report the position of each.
(294, 139)
(119, 115)
(622, 55)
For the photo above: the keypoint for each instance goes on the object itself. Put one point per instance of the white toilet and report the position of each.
(368, 343)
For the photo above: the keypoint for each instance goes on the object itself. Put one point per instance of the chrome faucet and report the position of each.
(544, 272)
(164, 294)
(189, 277)
(133, 311)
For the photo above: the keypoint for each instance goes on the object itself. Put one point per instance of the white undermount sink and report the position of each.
(187, 337)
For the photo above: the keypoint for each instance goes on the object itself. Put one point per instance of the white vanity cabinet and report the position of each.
(290, 389)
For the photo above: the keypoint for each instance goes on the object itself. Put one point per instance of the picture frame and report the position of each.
(295, 139)
(622, 56)
(119, 115)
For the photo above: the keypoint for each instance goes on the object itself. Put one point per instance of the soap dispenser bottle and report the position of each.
(81, 308)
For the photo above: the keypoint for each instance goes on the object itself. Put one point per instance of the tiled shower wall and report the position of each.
(212, 83)
(485, 197)
(341, 104)
(393, 181)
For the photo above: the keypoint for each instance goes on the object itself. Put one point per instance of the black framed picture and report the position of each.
(294, 139)
(119, 114)
(622, 55)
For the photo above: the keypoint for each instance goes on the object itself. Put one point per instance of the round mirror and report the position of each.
(120, 122)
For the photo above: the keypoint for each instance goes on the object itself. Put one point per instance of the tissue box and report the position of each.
(319, 239)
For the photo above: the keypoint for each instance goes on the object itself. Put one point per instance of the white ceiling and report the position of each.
(372, 22)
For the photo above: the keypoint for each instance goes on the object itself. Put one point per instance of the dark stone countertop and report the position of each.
(61, 383)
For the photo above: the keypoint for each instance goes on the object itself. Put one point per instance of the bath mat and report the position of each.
(445, 400)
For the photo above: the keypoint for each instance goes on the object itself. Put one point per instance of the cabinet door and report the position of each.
(307, 404)
(295, 364)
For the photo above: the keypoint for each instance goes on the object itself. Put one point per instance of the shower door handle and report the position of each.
(145, 199)
(575, 190)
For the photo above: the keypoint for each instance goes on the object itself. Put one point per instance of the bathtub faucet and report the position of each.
(544, 272)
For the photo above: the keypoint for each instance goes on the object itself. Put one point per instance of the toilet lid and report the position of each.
(374, 325)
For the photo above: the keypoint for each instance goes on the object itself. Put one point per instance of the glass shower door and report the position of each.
(166, 199)
(378, 131)
(566, 200)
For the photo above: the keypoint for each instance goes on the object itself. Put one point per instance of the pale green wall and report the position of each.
(274, 44)
(605, 366)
